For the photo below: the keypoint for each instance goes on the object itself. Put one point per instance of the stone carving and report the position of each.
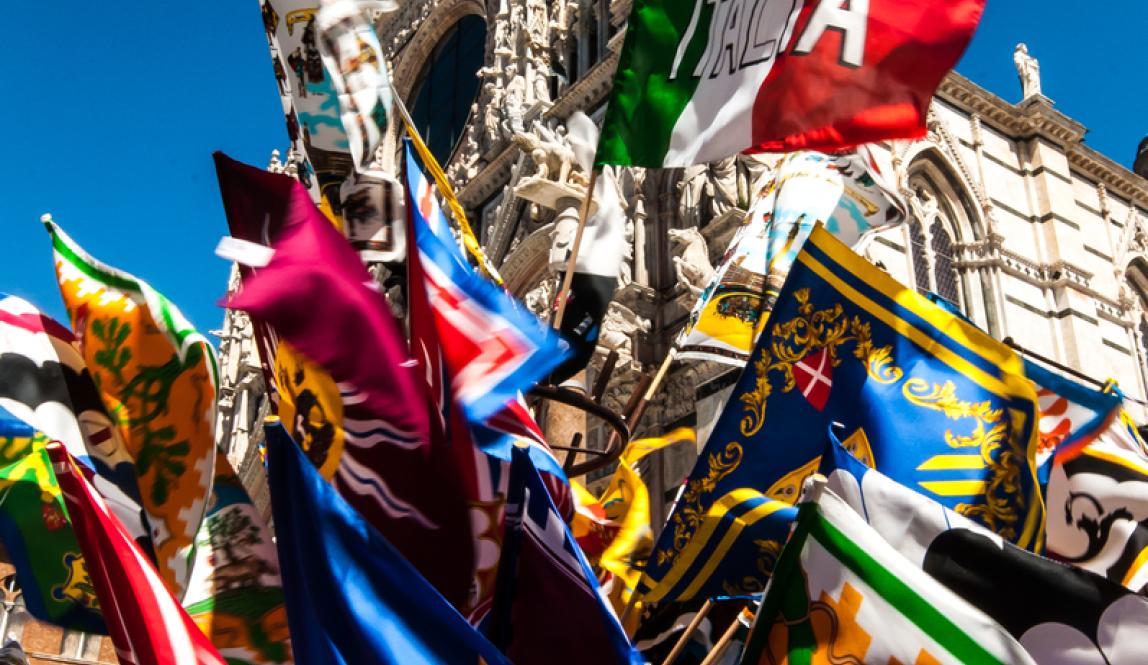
(552, 156)
(562, 237)
(923, 203)
(691, 259)
(514, 108)
(539, 299)
(1028, 68)
(707, 190)
(620, 327)
(536, 24)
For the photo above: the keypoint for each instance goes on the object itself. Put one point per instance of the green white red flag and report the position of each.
(699, 81)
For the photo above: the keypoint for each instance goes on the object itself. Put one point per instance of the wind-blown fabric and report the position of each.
(842, 593)
(933, 403)
(146, 623)
(160, 378)
(626, 502)
(39, 540)
(543, 576)
(235, 594)
(1058, 613)
(700, 81)
(355, 63)
(600, 255)
(1098, 506)
(45, 383)
(492, 346)
(351, 597)
(844, 192)
(310, 101)
(1071, 415)
(481, 449)
(357, 409)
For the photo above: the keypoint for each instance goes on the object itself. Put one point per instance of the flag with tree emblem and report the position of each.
(842, 594)
(160, 377)
(700, 81)
(235, 594)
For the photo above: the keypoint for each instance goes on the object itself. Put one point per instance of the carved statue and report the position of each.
(539, 299)
(551, 154)
(1028, 68)
(536, 24)
(515, 100)
(562, 237)
(691, 259)
(626, 268)
(716, 183)
(924, 204)
(619, 327)
(723, 185)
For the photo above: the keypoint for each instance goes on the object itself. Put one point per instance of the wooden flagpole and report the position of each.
(680, 646)
(634, 595)
(723, 644)
(432, 165)
(583, 215)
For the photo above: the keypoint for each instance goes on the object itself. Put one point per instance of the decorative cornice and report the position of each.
(1037, 117)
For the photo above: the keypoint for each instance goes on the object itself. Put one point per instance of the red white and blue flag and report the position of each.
(491, 346)
(483, 348)
(480, 445)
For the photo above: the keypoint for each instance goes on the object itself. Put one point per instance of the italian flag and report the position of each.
(840, 593)
(700, 80)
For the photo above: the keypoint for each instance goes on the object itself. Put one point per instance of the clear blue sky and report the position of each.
(113, 113)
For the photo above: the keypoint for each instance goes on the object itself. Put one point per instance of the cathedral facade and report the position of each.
(1036, 237)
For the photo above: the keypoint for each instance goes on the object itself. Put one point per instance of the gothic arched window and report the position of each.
(945, 278)
(448, 85)
(918, 255)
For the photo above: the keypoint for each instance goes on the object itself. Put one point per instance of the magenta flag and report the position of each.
(346, 386)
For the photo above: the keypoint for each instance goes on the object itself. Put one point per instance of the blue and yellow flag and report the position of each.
(927, 399)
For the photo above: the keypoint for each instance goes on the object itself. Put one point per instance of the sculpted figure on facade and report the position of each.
(1028, 68)
(536, 24)
(707, 190)
(515, 102)
(620, 328)
(539, 299)
(691, 259)
(551, 153)
(490, 124)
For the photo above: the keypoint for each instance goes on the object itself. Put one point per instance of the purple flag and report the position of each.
(347, 388)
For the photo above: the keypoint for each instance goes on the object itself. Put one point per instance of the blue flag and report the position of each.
(929, 400)
(351, 597)
(544, 582)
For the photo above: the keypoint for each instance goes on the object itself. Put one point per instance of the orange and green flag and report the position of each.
(158, 378)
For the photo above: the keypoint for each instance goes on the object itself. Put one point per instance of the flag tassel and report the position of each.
(568, 278)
